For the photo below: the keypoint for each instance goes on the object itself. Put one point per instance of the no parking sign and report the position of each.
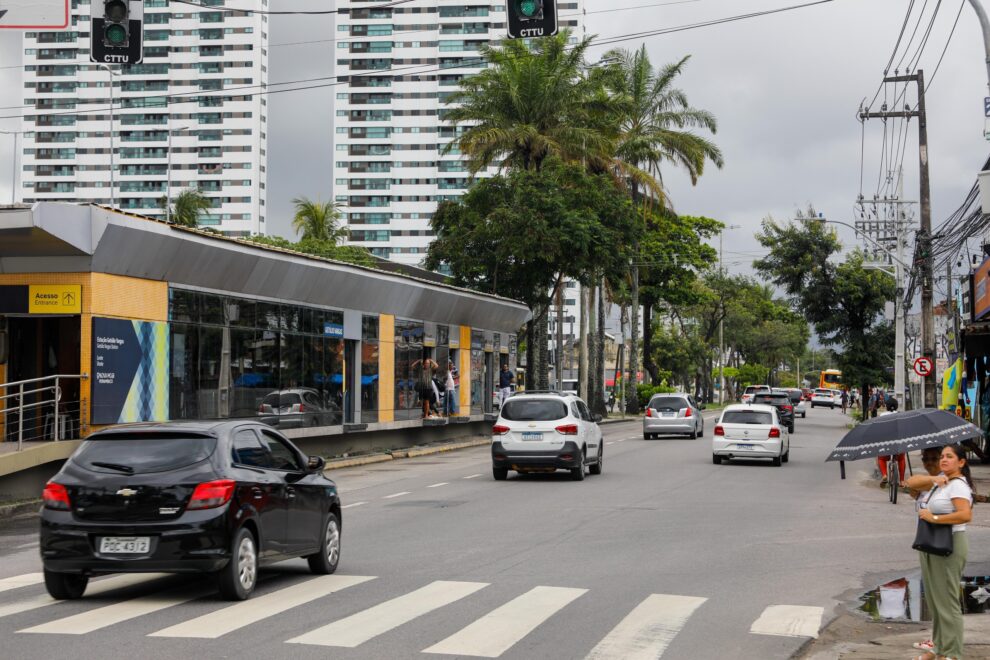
(923, 366)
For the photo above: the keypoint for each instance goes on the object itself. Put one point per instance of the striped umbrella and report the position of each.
(901, 432)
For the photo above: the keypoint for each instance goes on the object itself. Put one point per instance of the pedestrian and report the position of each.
(611, 402)
(891, 403)
(845, 401)
(919, 486)
(874, 402)
(450, 391)
(505, 381)
(950, 502)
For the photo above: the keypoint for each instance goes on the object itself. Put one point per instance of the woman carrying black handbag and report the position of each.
(950, 502)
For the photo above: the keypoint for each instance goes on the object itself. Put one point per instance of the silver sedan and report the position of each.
(673, 414)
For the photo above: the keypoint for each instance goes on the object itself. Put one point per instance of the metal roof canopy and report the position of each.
(69, 238)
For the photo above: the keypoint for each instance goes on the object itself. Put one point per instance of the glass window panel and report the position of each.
(369, 379)
(208, 359)
(369, 328)
(242, 313)
(211, 309)
(184, 347)
(183, 306)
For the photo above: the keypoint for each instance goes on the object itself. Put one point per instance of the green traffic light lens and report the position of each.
(528, 8)
(115, 35)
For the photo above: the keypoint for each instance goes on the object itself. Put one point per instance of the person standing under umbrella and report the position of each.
(920, 486)
(950, 502)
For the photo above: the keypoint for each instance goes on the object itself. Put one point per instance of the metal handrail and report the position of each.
(21, 407)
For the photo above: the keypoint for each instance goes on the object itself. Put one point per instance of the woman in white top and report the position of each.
(920, 487)
(950, 502)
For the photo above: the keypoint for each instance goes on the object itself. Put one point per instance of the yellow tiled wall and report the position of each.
(386, 368)
(465, 368)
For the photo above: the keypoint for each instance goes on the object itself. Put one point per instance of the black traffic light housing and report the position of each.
(116, 31)
(532, 18)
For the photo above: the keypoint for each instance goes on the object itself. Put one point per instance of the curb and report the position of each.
(396, 454)
(19, 508)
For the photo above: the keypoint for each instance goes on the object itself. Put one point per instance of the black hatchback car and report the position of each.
(782, 402)
(213, 497)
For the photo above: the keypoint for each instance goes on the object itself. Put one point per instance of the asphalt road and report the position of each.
(665, 553)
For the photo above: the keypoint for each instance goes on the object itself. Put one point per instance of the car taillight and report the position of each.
(56, 496)
(649, 412)
(211, 494)
(567, 429)
(719, 430)
(687, 412)
(498, 429)
(788, 408)
(774, 433)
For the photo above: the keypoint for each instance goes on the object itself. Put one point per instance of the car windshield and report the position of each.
(824, 392)
(775, 399)
(282, 400)
(756, 388)
(143, 452)
(796, 396)
(533, 410)
(747, 417)
(668, 403)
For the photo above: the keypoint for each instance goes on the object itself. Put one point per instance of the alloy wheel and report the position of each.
(247, 563)
(333, 542)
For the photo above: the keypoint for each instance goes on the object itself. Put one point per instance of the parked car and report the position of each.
(750, 390)
(545, 432)
(297, 408)
(825, 397)
(797, 400)
(220, 498)
(808, 392)
(780, 400)
(673, 414)
(750, 431)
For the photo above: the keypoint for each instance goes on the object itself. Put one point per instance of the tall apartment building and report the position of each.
(218, 138)
(395, 66)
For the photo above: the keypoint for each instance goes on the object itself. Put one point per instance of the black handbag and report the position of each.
(933, 539)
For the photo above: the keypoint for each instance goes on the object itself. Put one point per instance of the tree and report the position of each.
(187, 207)
(318, 220)
(327, 249)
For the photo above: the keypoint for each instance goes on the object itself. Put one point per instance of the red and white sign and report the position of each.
(34, 14)
(923, 366)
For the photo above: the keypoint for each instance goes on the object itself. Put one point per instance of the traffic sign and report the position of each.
(34, 14)
(923, 366)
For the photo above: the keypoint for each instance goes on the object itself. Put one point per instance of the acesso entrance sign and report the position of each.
(532, 18)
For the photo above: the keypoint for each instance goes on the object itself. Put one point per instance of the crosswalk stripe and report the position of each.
(18, 581)
(648, 630)
(789, 621)
(358, 628)
(95, 589)
(228, 619)
(102, 617)
(442, 483)
(388, 497)
(472, 476)
(348, 506)
(496, 632)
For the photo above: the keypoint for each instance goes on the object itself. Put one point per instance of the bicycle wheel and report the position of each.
(893, 478)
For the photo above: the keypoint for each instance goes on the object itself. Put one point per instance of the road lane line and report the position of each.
(228, 619)
(102, 617)
(496, 632)
(358, 628)
(442, 483)
(789, 621)
(610, 442)
(388, 497)
(18, 581)
(348, 506)
(95, 588)
(472, 476)
(648, 630)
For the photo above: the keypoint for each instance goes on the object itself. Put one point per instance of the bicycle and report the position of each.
(893, 478)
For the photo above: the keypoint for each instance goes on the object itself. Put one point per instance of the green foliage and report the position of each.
(644, 392)
(752, 374)
(326, 249)
(318, 221)
(187, 207)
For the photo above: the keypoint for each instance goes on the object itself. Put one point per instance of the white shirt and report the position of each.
(940, 501)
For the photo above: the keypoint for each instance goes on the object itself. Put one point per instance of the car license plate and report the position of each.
(669, 414)
(532, 436)
(741, 446)
(125, 545)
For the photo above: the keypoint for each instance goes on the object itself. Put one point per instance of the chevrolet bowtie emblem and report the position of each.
(127, 492)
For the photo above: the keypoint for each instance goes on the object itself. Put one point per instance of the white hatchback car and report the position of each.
(545, 432)
(825, 397)
(750, 431)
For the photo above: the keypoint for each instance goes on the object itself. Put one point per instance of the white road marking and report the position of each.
(95, 588)
(647, 631)
(102, 617)
(789, 621)
(472, 476)
(228, 619)
(388, 497)
(496, 632)
(610, 442)
(358, 628)
(442, 483)
(18, 581)
(348, 506)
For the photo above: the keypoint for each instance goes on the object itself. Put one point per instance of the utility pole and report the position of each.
(559, 362)
(924, 234)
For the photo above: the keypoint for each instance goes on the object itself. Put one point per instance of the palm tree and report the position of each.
(654, 129)
(187, 206)
(318, 220)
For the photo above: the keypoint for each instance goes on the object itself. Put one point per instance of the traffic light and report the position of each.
(116, 31)
(532, 18)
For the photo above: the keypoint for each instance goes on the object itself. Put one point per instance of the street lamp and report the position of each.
(721, 343)
(111, 72)
(168, 174)
(13, 166)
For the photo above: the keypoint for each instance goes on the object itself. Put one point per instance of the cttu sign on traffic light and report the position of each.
(532, 18)
(116, 31)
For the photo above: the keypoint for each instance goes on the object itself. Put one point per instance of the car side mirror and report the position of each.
(315, 464)
(597, 418)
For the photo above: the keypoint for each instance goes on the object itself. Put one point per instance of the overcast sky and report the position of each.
(785, 89)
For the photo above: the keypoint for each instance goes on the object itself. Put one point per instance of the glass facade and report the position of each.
(410, 382)
(369, 369)
(235, 357)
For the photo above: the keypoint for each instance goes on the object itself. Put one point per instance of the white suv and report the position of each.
(545, 432)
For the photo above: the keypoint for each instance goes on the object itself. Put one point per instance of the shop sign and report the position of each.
(41, 299)
(333, 330)
(981, 290)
